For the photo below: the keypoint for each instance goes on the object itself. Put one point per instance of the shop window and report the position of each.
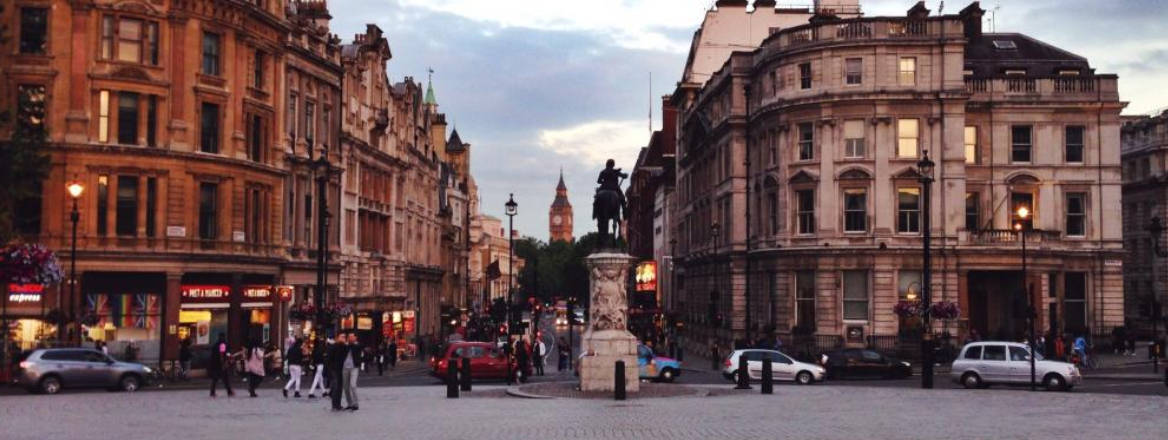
(856, 295)
(854, 139)
(1020, 143)
(123, 319)
(805, 301)
(126, 217)
(907, 137)
(209, 129)
(1076, 214)
(34, 30)
(103, 116)
(806, 141)
(805, 76)
(855, 210)
(972, 211)
(1074, 143)
(907, 75)
(908, 210)
(127, 118)
(854, 71)
(1075, 301)
(208, 211)
(806, 210)
(971, 145)
(211, 49)
(102, 205)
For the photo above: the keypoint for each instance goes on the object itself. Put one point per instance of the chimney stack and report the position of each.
(971, 16)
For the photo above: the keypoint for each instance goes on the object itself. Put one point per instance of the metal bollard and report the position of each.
(619, 392)
(465, 374)
(768, 377)
(452, 379)
(743, 373)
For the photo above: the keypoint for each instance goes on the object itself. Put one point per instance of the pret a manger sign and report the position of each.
(206, 293)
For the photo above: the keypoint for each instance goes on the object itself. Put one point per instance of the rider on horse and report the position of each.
(609, 203)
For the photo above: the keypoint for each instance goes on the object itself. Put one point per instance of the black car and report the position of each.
(861, 363)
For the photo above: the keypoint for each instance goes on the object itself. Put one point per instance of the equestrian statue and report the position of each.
(609, 204)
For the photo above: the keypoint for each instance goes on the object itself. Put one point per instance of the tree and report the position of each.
(24, 163)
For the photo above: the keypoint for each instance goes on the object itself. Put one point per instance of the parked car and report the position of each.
(653, 367)
(856, 362)
(486, 361)
(49, 370)
(986, 363)
(784, 368)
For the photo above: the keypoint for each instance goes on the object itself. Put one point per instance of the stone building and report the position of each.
(560, 214)
(1145, 187)
(798, 202)
(490, 247)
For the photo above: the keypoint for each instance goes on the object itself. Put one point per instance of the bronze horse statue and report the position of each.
(608, 206)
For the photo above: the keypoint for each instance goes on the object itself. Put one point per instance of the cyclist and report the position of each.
(1080, 348)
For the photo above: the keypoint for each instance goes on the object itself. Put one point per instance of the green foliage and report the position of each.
(24, 163)
(555, 269)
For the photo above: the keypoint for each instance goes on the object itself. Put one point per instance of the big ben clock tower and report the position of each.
(560, 214)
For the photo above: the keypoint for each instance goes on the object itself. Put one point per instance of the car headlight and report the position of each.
(906, 364)
(148, 370)
(822, 370)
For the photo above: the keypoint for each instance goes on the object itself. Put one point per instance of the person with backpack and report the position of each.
(295, 360)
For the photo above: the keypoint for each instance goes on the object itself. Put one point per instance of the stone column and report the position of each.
(607, 338)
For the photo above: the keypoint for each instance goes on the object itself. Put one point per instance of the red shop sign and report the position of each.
(285, 292)
(257, 292)
(206, 294)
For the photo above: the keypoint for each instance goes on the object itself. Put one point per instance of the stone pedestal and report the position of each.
(607, 338)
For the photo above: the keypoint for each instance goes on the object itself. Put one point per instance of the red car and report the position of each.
(486, 360)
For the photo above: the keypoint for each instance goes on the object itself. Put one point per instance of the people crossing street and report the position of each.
(295, 359)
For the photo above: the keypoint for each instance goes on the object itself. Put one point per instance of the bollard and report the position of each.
(743, 373)
(619, 391)
(768, 378)
(452, 379)
(465, 374)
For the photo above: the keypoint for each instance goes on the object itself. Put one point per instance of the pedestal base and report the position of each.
(598, 368)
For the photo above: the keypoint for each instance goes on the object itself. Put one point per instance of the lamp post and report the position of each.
(512, 208)
(323, 169)
(1156, 229)
(75, 189)
(716, 230)
(925, 169)
(1023, 226)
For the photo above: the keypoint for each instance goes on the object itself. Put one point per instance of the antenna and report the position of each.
(650, 103)
(941, 9)
(994, 18)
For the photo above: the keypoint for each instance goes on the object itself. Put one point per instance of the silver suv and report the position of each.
(49, 370)
(981, 364)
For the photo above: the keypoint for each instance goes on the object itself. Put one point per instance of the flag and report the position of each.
(493, 271)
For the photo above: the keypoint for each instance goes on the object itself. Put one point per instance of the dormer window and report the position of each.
(1068, 72)
(1015, 72)
(1005, 45)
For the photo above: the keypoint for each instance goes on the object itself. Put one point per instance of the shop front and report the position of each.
(203, 314)
(25, 312)
(124, 310)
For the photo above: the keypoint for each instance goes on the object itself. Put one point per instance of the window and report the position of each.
(1074, 144)
(970, 144)
(130, 35)
(127, 118)
(909, 285)
(805, 300)
(1075, 301)
(258, 71)
(907, 134)
(972, 211)
(102, 205)
(210, 54)
(34, 30)
(309, 122)
(1019, 200)
(853, 71)
(103, 116)
(855, 210)
(774, 212)
(152, 121)
(127, 206)
(325, 118)
(1020, 143)
(1019, 354)
(151, 205)
(208, 211)
(908, 71)
(973, 353)
(31, 106)
(209, 132)
(856, 295)
(806, 213)
(292, 117)
(908, 210)
(107, 37)
(854, 139)
(129, 39)
(806, 141)
(805, 76)
(255, 150)
(994, 353)
(255, 206)
(1076, 214)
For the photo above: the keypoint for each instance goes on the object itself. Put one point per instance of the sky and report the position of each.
(539, 85)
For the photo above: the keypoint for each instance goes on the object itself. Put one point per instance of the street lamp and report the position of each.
(1023, 226)
(716, 230)
(925, 169)
(512, 208)
(323, 169)
(1156, 229)
(75, 189)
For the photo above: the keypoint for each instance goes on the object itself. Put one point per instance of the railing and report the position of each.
(807, 348)
(863, 29)
(998, 236)
(1054, 88)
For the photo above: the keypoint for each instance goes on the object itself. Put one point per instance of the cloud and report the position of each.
(595, 142)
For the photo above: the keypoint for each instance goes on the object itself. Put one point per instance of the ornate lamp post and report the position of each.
(925, 169)
(1156, 229)
(1023, 226)
(512, 209)
(323, 170)
(75, 190)
(716, 229)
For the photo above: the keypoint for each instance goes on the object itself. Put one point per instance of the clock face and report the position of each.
(556, 220)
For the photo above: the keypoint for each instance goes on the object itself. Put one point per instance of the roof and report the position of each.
(991, 54)
(455, 142)
(561, 200)
(561, 186)
(430, 100)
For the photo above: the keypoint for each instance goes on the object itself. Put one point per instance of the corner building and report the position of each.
(804, 154)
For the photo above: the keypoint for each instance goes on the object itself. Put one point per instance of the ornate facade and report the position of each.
(1145, 186)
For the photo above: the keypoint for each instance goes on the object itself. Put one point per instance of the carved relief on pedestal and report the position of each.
(608, 297)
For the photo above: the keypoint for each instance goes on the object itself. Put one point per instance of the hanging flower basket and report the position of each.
(945, 310)
(22, 263)
(907, 309)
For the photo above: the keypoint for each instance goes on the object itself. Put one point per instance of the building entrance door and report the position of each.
(995, 304)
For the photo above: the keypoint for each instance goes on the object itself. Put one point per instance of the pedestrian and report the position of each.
(295, 359)
(563, 354)
(1131, 343)
(253, 366)
(392, 354)
(184, 358)
(540, 354)
(317, 358)
(274, 361)
(219, 367)
(380, 359)
(1080, 349)
(351, 367)
(1060, 347)
(1118, 339)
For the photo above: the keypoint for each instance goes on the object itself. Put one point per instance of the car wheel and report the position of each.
(804, 378)
(667, 375)
(50, 385)
(971, 381)
(1054, 382)
(129, 383)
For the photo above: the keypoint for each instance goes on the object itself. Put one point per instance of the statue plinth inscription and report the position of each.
(607, 338)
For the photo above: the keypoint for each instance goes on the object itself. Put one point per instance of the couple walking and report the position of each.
(223, 361)
(340, 362)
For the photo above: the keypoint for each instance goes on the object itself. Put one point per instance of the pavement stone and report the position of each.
(838, 412)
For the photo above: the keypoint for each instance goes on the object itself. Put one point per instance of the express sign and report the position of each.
(25, 293)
